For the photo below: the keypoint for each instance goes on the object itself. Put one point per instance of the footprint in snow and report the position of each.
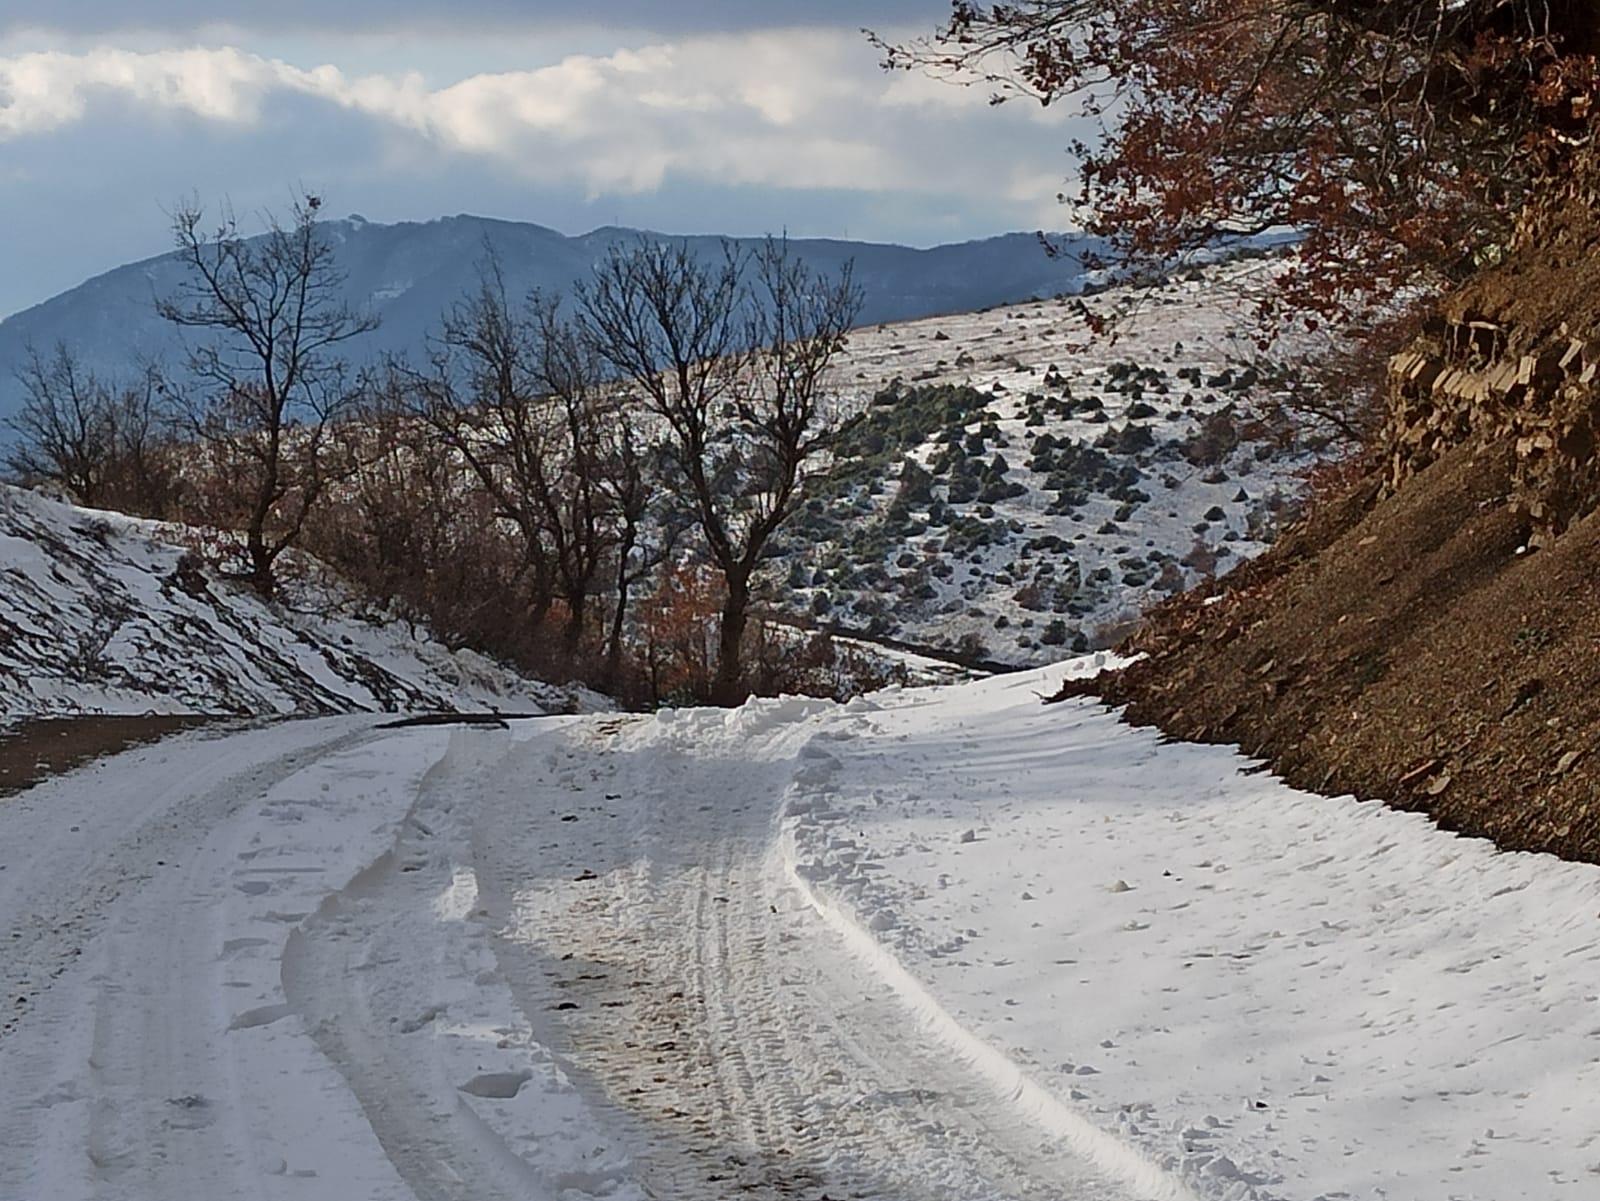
(265, 1015)
(497, 1086)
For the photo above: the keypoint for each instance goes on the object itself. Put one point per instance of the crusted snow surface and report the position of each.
(97, 617)
(933, 943)
(1272, 994)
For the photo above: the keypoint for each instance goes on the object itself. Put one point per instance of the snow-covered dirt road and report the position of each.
(931, 944)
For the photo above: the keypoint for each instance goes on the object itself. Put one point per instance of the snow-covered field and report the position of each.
(941, 943)
(100, 613)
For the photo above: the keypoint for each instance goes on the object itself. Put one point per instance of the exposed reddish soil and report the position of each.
(1408, 643)
(34, 750)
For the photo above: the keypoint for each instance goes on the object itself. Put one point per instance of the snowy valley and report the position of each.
(1018, 490)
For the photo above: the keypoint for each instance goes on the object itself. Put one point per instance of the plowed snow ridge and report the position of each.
(1008, 1080)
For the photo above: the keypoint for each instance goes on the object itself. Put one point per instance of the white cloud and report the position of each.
(44, 91)
(726, 133)
(792, 108)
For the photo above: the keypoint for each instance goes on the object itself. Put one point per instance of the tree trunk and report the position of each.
(619, 615)
(572, 631)
(729, 687)
(260, 563)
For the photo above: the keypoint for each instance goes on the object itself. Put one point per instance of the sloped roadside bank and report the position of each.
(1409, 649)
(106, 614)
(1432, 639)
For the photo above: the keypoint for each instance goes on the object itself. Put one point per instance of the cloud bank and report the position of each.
(685, 16)
(737, 132)
(790, 109)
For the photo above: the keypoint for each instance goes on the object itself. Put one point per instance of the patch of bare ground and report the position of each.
(34, 750)
(1405, 649)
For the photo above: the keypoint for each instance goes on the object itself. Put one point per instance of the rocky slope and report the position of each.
(1431, 637)
(101, 613)
(1021, 488)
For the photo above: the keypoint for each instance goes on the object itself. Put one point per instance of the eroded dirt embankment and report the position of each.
(1410, 653)
(1433, 637)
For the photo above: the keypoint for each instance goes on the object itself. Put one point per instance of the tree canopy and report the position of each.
(1400, 137)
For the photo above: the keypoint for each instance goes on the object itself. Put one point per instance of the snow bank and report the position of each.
(1269, 994)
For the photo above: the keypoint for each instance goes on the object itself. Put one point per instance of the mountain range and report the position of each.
(408, 274)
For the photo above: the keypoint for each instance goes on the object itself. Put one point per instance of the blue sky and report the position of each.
(717, 116)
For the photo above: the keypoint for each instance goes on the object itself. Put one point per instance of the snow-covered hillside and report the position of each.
(1061, 482)
(929, 944)
(101, 613)
(1051, 487)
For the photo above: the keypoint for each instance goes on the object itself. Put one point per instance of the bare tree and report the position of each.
(734, 368)
(480, 397)
(388, 525)
(630, 487)
(64, 425)
(515, 391)
(571, 492)
(102, 442)
(269, 381)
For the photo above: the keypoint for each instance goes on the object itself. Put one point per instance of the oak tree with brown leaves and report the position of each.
(1399, 137)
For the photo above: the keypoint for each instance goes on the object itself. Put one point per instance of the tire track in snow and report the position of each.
(370, 956)
(122, 1049)
(1006, 1079)
(110, 837)
(652, 929)
(394, 979)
